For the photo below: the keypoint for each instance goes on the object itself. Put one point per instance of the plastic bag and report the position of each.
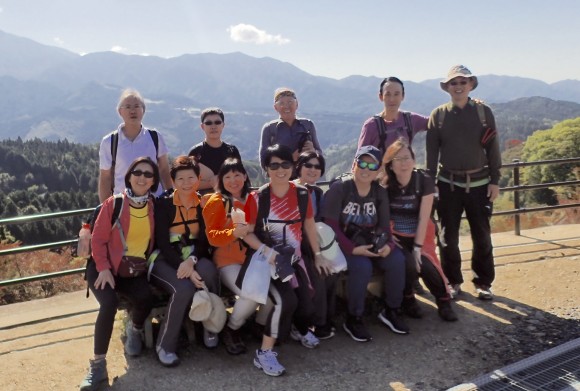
(256, 281)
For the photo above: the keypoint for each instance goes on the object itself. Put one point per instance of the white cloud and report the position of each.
(118, 49)
(250, 34)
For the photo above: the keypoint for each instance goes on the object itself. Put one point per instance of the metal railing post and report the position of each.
(517, 227)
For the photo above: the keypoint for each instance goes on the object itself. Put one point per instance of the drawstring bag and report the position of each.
(256, 281)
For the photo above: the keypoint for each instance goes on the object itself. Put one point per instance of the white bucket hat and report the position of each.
(329, 247)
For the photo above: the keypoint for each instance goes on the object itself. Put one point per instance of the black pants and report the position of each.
(478, 212)
(136, 290)
(430, 274)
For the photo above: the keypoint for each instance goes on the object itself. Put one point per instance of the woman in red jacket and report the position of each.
(112, 243)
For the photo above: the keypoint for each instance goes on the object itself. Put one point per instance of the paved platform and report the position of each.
(43, 346)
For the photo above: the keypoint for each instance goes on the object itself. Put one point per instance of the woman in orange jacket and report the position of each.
(226, 236)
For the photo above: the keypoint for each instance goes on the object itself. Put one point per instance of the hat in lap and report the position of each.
(201, 306)
(217, 318)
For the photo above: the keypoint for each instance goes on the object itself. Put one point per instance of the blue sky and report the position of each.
(413, 39)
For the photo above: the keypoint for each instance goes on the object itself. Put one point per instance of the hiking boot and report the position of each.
(96, 376)
(167, 359)
(411, 308)
(233, 341)
(307, 340)
(323, 332)
(446, 312)
(266, 360)
(454, 290)
(134, 341)
(483, 292)
(356, 329)
(210, 340)
(390, 318)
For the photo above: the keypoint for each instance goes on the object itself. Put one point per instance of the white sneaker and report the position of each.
(309, 340)
(268, 363)
(168, 359)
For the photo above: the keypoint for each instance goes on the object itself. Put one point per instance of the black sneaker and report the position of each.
(390, 318)
(418, 288)
(356, 329)
(323, 332)
(233, 341)
(411, 308)
(446, 311)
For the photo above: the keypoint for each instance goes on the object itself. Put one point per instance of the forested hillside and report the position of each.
(41, 177)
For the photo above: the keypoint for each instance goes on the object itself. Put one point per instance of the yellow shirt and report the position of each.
(138, 236)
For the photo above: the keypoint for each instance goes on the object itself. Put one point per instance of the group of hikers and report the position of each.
(177, 226)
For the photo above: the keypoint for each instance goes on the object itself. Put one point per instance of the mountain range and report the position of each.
(51, 93)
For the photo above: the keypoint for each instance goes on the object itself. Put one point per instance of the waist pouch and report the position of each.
(132, 267)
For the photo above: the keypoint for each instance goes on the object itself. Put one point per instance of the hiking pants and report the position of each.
(478, 212)
(243, 308)
(280, 316)
(360, 271)
(181, 290)
(325, 300)
(136, 290)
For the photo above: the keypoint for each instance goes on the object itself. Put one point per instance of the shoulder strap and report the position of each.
(419, 175)
(117, 208)
(409, 125)
(481, 114)
(440, 118)
(302, 195)
(155, 137)
(114, 144)
(382, 132)
(273, 134)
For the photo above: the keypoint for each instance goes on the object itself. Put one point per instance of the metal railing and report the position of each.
(517, 188)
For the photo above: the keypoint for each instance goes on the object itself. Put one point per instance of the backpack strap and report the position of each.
(382, 129)
(274, 134)
(118, 205)
(409, 125)
(481, 113)
(440, 118)
(155, 137)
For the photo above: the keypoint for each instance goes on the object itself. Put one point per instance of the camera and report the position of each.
(379, 242)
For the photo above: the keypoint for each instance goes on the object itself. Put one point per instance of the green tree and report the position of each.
(562, 141)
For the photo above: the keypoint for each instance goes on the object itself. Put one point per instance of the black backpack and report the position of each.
(383, 129)
(115, 143)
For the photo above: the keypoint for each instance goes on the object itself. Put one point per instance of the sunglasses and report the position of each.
(454, 83)
(210, 123)
(370, 166)
(146, 174)
(310, 165)
(276, 166)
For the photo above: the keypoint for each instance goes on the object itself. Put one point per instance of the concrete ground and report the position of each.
(43, 347)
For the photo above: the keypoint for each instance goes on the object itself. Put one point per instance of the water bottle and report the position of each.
(84, 241)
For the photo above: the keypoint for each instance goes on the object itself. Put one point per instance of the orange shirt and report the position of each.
(219, 229)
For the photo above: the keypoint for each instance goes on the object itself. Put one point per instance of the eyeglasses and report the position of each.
(210, 123)
(276, 166)
(288, 102)
(370, 166)
(310, 165)
(135, 107)
(403, 159)
(146, 174)
(454, 83)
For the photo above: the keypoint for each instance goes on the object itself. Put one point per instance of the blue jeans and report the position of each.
(360, 271)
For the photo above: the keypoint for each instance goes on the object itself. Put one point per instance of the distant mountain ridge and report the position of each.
(51, 93)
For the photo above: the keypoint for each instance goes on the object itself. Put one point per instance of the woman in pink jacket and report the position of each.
(117, 266)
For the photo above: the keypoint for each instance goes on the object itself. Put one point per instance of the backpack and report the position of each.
(115, 143)
(264, 209)
(118, 205)
(382, 128)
